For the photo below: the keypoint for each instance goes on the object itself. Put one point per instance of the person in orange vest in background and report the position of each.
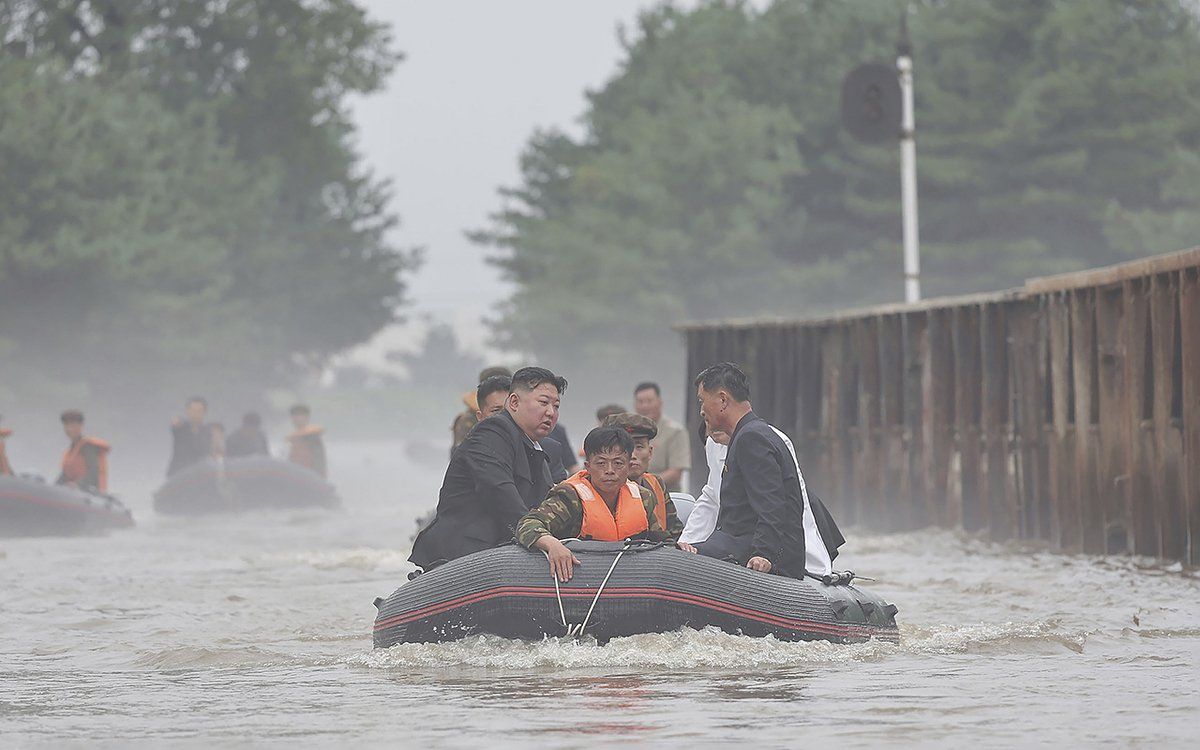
(307, 448)
(85, 464)
(642, 430)
(598, 503)
(5, 466)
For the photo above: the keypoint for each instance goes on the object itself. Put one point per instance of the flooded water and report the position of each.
(256, 628)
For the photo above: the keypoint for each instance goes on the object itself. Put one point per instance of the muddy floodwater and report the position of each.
(256, 628)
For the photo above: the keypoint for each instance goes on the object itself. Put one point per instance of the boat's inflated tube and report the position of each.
(31, 507)
(242, 484)
(509, 592)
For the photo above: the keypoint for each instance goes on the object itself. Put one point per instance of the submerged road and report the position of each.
(257, 627)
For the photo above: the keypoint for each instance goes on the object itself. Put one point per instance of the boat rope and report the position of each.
(836, 578)
(577, 630)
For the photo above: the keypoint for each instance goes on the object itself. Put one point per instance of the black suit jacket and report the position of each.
(495, 476)
(760, 496)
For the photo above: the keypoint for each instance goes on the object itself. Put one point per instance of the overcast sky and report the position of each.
(478, 77)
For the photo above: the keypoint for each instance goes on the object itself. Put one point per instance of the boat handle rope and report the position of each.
(577, 630)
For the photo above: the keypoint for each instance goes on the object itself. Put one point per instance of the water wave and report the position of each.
(356, 558)
(692, 649)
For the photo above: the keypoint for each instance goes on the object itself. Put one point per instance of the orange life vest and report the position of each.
(74, 465)
(599, 523)
(5, 467)
(660, 496)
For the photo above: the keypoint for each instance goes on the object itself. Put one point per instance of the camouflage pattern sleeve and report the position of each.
(674, 525)
(560, 515)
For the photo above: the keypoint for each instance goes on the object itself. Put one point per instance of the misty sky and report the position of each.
(479, 76)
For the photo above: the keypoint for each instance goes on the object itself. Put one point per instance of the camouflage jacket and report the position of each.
(674, 525)
(561, 516)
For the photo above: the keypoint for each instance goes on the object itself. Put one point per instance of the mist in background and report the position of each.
(359, 205)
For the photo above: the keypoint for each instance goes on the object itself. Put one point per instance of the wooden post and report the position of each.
(916, 350)
(1168, 441)
(1003, 520)
(937, 398)
(1027, 365)
(891, 385)
(967, 393)
(1066, 524)
(1113, 470)
(1139, 436)
(1083, 362)
(872, 465)
(1189, 326)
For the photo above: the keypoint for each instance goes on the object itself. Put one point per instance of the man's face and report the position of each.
(648, 403)
(536, 411)
(712, 409)
(73, 430)
(492, 404)
(196, 412)
(608, 470)
(300, 420)
(640, 460)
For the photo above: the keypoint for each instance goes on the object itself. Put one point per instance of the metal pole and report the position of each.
(908, 171)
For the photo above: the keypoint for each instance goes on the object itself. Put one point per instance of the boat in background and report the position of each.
(30, 506)
(246, 483)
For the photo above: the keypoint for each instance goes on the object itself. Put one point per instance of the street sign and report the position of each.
(871, 103)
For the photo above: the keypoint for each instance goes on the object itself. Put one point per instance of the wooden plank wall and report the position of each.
(1067, 411)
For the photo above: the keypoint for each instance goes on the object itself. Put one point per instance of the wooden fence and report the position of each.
(1066, 411)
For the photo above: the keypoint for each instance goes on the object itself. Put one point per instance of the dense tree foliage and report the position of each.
(182, 205)
(714, 177)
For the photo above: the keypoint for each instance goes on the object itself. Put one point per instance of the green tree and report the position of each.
(183, 203)
(714, 177)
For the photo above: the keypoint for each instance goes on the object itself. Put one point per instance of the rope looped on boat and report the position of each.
(577, 630)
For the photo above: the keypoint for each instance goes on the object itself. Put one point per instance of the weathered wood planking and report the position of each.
(1067, 411)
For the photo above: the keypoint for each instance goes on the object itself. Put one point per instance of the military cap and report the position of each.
(635, 424)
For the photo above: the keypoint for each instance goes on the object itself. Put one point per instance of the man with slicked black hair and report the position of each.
(497, 474)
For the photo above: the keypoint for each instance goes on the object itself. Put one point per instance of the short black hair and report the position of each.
(647, 386)
(725, 375)
(71, 415)
(494, 384)
(197, 400)
(606, 438)
(252, 419)
(299, 409)
(528, 378)
(609, 410)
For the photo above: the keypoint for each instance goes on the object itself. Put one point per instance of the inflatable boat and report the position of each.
(251, 482)
(622, 589)
(31, 507)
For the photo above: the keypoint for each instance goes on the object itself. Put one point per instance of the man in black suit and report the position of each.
(496, 474)
(761, 521)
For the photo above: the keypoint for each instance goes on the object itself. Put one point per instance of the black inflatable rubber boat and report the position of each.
(508, 591)
(242, 484)
(31, 507)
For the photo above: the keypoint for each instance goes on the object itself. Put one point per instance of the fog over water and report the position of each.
(255, 627)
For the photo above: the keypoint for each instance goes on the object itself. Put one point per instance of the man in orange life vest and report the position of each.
(5, 466)
(307, 448)
(642, 430)
(598, 503)
(85, 464)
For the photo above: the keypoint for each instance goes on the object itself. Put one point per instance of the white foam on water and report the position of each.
(712, 648)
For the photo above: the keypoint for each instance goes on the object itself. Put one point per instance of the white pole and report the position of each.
(908, 181)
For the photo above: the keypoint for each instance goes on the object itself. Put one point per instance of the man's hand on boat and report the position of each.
(686, 547)
(761, 564)
(562, 562)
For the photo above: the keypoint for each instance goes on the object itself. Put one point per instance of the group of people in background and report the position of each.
(193, 440)
(513, 477)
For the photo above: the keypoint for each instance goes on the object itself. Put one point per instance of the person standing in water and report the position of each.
(192, 439)
(85, 464)
(247, 440)
(307, 447)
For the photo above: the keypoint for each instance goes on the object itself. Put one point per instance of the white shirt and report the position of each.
(702, 521)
